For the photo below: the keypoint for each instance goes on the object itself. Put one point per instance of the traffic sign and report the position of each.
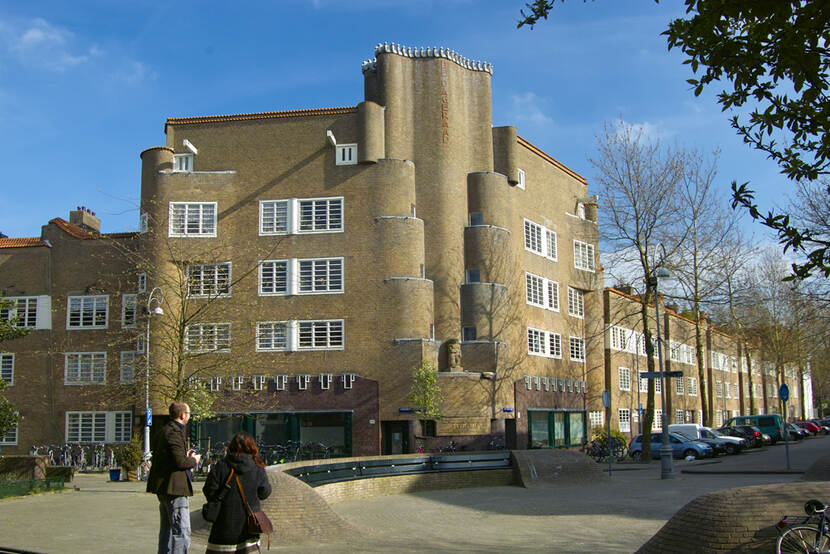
(606, 398)
(149, 417)
(784, 392)
(657, 374)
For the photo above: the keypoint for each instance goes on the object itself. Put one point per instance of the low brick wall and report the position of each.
(359, 489)
(24, 467)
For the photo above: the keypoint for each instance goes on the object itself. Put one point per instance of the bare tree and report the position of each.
(638, 181)
(707, 227)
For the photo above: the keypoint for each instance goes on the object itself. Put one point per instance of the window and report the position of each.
(321, 276)
(215, 383)
(534, 243)
(142, 282)
(625, 378)
(521, 182)
(7, 368)
(346, 154)
(87, 312)
(142, 223)
(544, 343)
(127, 368)
(576, 302)
(182, 162)
(679, 388)
(197, 219)
(583, 256)
(658, 386)
(617, 338)
(129, 304)
(21, 311)
(577, 345)
(473, 275)
(643, 383)
(237, 381)
(281, 381)
(348, 380)
(303, 380)
(541, 292)
(624, 418)
(692, 382)
(99, 427)
(10, 438)
(679, 416)
(658, 419)
(208, 337)
(274, 217)
(468, 333)
(85, 368)
(321, 215)
(273, 277)
(325, 380)
(321, 335)
(596, 419)
(719, 389)
(271, 335)
(209, 280)
(139, 344)
(476, 218)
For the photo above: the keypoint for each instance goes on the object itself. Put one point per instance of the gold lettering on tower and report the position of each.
(445, 103)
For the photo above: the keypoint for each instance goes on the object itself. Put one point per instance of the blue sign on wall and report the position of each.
(784, 392)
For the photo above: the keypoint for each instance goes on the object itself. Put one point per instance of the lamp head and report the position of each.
(158, 311)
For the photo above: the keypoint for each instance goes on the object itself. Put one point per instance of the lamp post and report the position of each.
(158, 297)
(665, 448)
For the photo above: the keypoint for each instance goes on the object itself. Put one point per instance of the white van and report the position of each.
(698, 431)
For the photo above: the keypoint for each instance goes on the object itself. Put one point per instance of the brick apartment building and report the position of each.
(326, 254)
(311, 259)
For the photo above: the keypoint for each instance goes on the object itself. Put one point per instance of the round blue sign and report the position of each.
(784, 392)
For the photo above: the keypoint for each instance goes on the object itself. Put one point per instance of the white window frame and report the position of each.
(326, 380)
(215, 384)
(267, 336)
(143, 220)
(237, 381)
(540, 240)
(303, 380)
(331, 209)
(209, 280)
(197, 333)
(87, 307)
(127, 367)
(129, 301)
(10, 437)
(275, 217)
(25, 307)
(541, 292)
(624, 420)
(331, 331)
(99, 427)
(544, 343)
(346, 154)
(658, 420)
(584, 256)
(329, 271)
(521, 178)
(679, 386)
(258, 381)
(596, 419)
(281, 381)
(576, 303)
(206, 222)
(642, 382)
(624, 378)
(183, 163)
(142, 282)
(7, 368)
(576, 347)
(74, 370)
(279, 275)
(348, 380)
(692, 385)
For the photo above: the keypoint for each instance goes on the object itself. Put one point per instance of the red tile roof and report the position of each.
(21, 242)
(80, 233)
(261, 115)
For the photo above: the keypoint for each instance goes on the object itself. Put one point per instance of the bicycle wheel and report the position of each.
(802, 539)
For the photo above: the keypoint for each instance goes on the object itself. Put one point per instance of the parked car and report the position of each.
(681, 447)
(719, 442)
(771, 424)
(810, 426)
(796, 432)
(824, 427)
(750, 433)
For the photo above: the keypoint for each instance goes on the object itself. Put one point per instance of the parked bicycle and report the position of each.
(808, 534)
(600, 449)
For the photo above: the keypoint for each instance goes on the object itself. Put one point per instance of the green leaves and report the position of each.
(425, 394)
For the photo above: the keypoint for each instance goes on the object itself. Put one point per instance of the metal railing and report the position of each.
(321, 474)
(20, 488)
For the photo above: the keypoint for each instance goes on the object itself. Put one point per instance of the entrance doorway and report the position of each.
(395, 437)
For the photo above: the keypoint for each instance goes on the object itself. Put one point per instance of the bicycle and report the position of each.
(600, 449)
(805, 534)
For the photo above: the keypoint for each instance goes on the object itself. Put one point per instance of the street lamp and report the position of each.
(158, 297)
(665, 448)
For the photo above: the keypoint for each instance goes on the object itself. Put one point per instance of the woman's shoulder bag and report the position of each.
(210, 511)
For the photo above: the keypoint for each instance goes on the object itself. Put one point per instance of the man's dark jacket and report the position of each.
(170, 462)
(231, 526)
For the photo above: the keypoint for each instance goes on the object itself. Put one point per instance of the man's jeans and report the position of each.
(174, 531)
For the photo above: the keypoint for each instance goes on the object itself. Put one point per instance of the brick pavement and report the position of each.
(618, 514)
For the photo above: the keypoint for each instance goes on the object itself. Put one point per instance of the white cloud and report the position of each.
(134, 72)
(527, 107)
(38, 43)
(646, 130)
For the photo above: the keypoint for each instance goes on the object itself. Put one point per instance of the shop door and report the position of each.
(395, 437)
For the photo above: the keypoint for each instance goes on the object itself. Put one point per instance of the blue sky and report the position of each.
(85, 86)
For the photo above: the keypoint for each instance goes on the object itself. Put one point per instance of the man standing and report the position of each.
(169, 479)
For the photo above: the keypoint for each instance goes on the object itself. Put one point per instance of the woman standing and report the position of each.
(229, 532)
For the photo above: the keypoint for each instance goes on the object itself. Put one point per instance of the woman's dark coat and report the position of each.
(231, 527)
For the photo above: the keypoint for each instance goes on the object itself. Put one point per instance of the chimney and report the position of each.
(624, 288)
(85, 218)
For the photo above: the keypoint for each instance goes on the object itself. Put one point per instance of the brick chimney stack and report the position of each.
(84, 217)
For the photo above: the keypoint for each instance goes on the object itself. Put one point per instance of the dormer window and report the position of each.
(346, 154)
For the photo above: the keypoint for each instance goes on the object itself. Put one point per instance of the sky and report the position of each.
(85, 86)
